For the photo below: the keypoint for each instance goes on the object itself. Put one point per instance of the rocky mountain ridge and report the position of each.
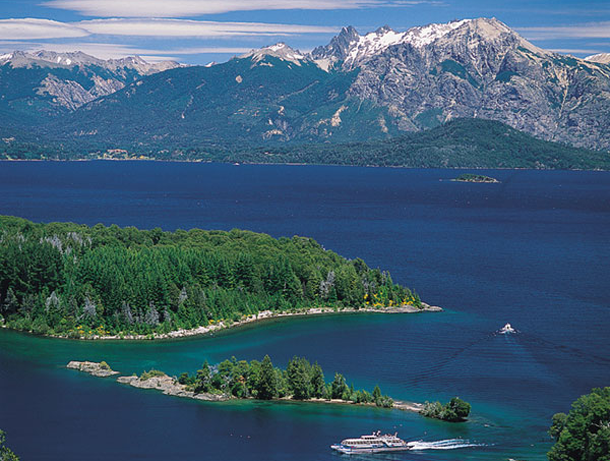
(475, 68)
(60, 82)
(350, 49)
(356, 88)
(52, 59)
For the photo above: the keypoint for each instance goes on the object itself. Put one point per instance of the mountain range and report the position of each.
(356, 88)
(39, 86)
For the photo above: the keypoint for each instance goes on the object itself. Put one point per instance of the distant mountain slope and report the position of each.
(38, 86)
(461, 143)
(270, 95)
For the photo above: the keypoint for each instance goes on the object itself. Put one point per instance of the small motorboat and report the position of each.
(507, 329)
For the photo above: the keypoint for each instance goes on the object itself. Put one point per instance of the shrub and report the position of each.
(151, 374)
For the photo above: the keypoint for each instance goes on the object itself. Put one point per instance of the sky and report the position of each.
(201, 31)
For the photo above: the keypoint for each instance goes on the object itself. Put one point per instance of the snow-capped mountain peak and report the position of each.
(279, 50)
(422, 36)
(352, 49)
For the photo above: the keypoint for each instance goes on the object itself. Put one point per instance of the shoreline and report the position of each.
(255, 318)
(403, 167)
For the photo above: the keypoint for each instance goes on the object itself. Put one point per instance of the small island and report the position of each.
(454, 411)
(469, 177)
(101, 369)
(300, 381)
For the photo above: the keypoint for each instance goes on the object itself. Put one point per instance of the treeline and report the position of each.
(456, 410)
(300, 380)
(69, 279)
(460, 143)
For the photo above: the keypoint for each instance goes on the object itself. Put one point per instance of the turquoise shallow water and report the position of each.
(96, 405)
(533, 251)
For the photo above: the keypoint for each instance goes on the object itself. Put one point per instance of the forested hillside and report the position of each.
(460, 143)
(70, 279)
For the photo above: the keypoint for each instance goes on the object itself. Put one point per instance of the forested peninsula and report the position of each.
(230, 379)
(71, 280)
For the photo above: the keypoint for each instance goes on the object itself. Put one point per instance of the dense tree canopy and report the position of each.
(301, 380)
(584, 433)
(70, 279)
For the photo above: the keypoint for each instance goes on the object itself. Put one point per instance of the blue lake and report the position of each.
(533, 251)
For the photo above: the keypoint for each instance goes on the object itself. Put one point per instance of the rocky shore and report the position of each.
(101, 370)
(268, 314)
(169, 386)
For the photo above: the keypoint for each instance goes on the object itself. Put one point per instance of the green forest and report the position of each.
(301, 380)
(460, 143)
(78, 281)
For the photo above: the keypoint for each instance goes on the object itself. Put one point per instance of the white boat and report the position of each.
(507, 329)
(373, 443)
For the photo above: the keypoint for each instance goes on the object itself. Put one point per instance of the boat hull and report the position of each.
(366, 450)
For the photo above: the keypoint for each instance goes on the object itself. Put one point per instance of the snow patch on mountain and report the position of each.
(374, 43)
(601, 58)
(349, 49)
(422, 36)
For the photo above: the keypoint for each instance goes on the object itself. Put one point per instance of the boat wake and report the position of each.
(449, 444)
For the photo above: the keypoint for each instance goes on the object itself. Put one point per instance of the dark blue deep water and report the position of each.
(533, 251)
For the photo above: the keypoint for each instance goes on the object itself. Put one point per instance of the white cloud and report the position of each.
(189, 28)
(104, 50)
(587, 51)
(586, 30)
(40, 29)
(114, 51)
(36, 29)
(185, 8)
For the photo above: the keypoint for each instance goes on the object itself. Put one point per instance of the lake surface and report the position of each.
(533, 251)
